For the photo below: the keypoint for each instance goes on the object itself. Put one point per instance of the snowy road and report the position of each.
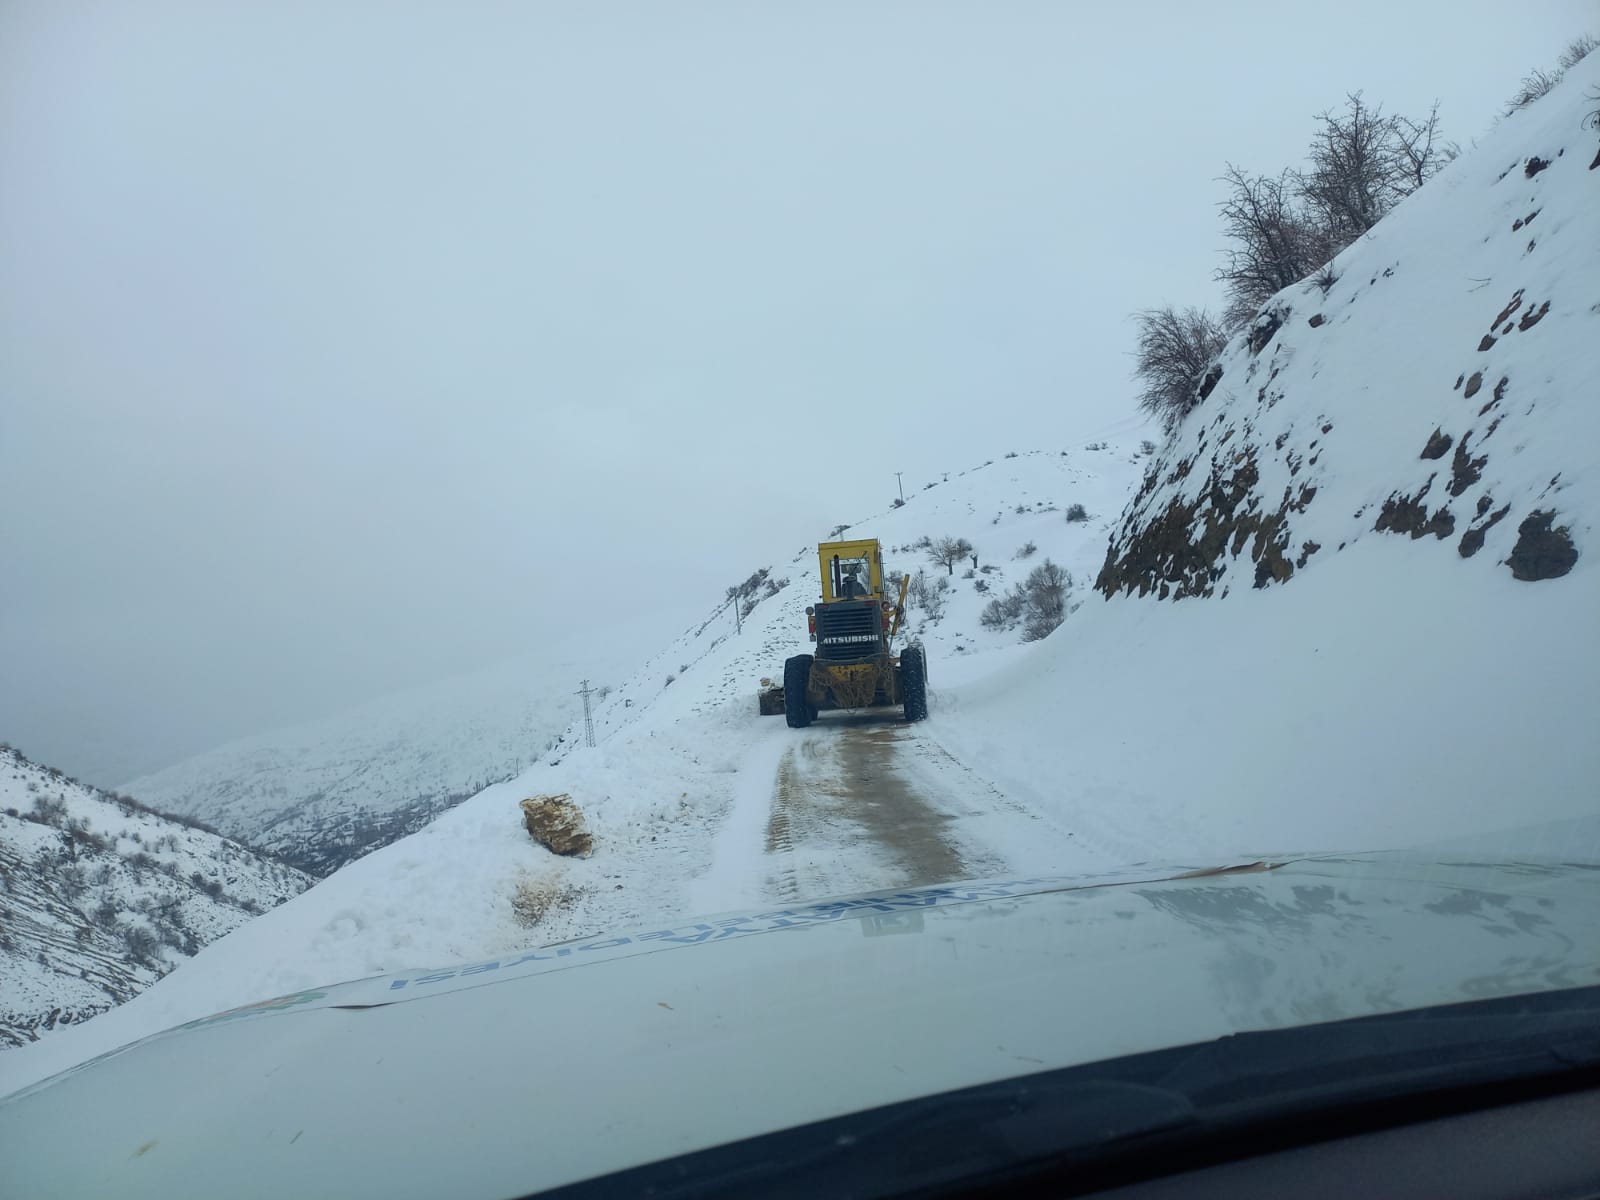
(866, 801)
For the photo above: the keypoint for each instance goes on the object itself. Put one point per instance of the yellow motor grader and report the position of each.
(854, 625)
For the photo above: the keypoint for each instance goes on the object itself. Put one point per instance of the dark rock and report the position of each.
(1511, 306)
(1532, 317)
(1210, 381)
(1408, 514)
(1472, 539)
(1534, 166)
(1459, 378)
(1265, 328)
(1183, 546)
(1473, 385)
(1541, 552)
(1315, 320)
(1488, 341)
(1464, 469)
(1438, 444)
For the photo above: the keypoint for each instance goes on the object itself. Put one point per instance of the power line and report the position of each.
(588, 720)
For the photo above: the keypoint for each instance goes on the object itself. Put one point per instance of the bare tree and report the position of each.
(1275, 242)
(1174, 350)
(1353, 181)
(948, 551)
(1363, 163)
(1420, 151)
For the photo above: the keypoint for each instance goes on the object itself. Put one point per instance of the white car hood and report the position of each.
(566, 1062)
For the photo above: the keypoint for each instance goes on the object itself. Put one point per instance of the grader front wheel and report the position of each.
(796, 678)
(914, 684)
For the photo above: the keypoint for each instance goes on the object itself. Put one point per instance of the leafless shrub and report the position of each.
(140, 944)
(1044, 600)
(1538, 82)
(1076, 513)
(1535, 84)
(1173, 351)
(1003, 612)
(1578, 49)
(1274, 241)
(930, 595)
(49, 810)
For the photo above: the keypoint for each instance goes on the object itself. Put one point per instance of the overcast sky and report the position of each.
(347, 346)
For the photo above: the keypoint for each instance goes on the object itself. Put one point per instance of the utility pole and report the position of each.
(738, 622)
(588, 719)
(898, 484)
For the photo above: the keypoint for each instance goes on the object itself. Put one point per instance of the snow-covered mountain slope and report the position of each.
(1390, 496)
(99, 897)
(321, 794)
(1443, 389)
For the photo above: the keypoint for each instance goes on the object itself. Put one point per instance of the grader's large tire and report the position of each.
(796, 677)
(914, 683)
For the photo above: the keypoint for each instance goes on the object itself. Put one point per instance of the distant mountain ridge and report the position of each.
(321, 794)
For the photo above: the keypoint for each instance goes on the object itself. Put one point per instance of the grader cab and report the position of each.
(854, 624)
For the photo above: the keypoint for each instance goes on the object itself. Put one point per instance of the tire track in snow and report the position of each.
(845, 816)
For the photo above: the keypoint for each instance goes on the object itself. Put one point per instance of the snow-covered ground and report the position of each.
(1387, 691)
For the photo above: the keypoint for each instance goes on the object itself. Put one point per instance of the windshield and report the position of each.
(898, 546)
(852, 578)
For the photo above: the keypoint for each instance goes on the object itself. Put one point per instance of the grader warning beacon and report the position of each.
(854, 625)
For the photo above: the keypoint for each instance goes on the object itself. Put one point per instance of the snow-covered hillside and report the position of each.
(100, 897)
(1385, 690)
(1002, 507)
(321, 794)
(1444, 388)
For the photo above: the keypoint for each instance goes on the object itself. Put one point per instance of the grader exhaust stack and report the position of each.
(853, 625)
